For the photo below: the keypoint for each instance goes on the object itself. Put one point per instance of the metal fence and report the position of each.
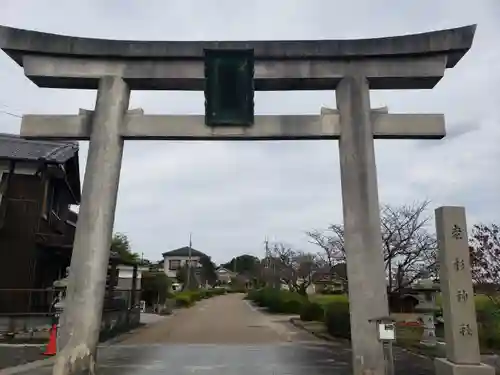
(32, 302)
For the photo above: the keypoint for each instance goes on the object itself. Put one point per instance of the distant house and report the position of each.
(39, 180)
(327, 279)
(224, 275)
(175, 259)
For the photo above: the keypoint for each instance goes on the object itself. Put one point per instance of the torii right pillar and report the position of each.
(363, 242)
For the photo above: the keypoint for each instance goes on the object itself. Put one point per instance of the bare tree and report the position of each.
(331, 243)
(409, 249)
(294, 268)
(485, 260)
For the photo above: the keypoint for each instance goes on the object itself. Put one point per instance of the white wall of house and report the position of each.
(125, 277)
(224, 275)
(173, 263)
(21, 167)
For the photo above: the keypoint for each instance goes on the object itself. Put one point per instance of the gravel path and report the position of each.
(224, 319)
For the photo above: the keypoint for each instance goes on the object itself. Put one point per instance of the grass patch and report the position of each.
(326, 299)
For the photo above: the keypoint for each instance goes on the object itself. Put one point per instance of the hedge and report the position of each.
(337, 319)
(189, 297)
(278, 301)
(237, 290)
(312, 311)
(183, 299)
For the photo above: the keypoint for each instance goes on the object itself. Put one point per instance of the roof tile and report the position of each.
(14, 147)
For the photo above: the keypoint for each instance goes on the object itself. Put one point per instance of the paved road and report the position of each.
(223, 336)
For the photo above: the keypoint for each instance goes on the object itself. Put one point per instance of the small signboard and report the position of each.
(229, 87)
(387, 331)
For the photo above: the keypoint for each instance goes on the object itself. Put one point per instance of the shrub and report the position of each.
(312, 311)
(488, 319)
(237, 290)
(337, 319)
(325, 299)
(196, 295)
(277, 301)
(268, 297)
(207, 293)
(329, 291)
(183, 300)
(218, 291)
(253, 294)
(292, 306)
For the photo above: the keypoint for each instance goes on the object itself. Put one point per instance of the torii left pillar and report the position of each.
(81, 320)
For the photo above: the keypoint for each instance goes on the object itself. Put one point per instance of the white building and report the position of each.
(126, 274)
(175, 259)
(224, 275)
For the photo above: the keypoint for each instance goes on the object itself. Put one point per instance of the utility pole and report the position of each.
(188, 278)
(270, 263)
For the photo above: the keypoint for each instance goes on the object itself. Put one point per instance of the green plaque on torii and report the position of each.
(229, 87)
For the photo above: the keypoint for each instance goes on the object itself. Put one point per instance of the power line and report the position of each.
(10, 113)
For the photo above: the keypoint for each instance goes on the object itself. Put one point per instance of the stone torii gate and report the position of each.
(114, 68)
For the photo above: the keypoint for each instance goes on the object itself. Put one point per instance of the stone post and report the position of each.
(363, 241)
(459, 311)
(91, 250)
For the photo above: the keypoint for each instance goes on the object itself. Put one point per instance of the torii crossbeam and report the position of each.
(137, 126)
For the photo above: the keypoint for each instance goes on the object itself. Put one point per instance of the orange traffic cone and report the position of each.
(51, 348)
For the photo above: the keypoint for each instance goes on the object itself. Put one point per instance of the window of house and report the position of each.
(3, 189)
(174, 265)
(54, 199)
(3, 184)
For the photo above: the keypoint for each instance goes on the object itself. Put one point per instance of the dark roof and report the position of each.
(13, 147)
(184, 252)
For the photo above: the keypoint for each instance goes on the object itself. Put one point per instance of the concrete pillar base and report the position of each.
(446, 367)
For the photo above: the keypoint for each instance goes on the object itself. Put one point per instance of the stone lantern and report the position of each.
(426, 291)
(60, 286)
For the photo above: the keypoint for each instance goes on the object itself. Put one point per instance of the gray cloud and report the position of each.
(231, 195)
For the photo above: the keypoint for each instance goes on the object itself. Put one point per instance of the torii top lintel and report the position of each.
(399, 62)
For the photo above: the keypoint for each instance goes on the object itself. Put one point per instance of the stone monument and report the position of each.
(228, 72)
(459, 310)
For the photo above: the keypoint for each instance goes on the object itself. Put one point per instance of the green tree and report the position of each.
(208, 273)
(181, 276)
(120, 244)
(155, 287)
(245, 263)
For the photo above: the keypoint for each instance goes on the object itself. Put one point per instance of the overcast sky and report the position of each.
(231, 195)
